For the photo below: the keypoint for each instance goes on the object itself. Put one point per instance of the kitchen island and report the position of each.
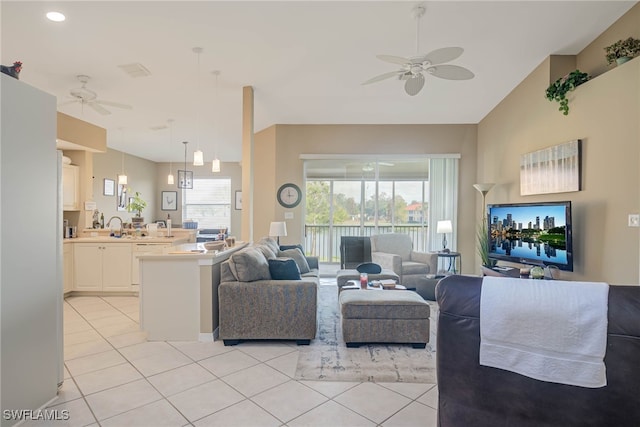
(179, 292)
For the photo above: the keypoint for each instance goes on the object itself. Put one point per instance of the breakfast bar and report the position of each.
(179, 292)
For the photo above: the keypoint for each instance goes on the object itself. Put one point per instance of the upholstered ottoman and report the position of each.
(376, 316)
(344, 276)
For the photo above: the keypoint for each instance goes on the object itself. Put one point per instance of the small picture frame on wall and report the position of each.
(109, 187)
(238, 204)
(169, 201)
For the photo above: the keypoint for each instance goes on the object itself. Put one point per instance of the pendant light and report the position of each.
(122, 178)
(170, 179)
(198, 156)
(215, 164)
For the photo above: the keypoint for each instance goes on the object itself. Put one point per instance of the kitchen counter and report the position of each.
(184, 284)
(175, 240)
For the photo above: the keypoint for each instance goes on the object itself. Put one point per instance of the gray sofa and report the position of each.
(253, 306)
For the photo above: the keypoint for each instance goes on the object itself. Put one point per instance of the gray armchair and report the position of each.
(394, 251)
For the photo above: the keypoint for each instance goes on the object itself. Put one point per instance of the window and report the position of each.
(208, 203)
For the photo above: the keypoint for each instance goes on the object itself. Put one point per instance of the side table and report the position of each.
(455, 261)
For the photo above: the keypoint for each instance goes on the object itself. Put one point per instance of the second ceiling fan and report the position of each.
(413, 68)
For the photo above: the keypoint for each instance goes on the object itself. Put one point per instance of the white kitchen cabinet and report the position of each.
(67, 263)
(70, 188)
(143, 249)
(102, 267)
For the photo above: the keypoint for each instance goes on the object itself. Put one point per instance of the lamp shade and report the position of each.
(198, 158)
(122, 179)
(444, 226)
(277, 229)
(170, 179)
(215, 165)
(483, 188)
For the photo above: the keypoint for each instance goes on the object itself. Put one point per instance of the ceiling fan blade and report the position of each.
(114, 104)
(385, 164)
(414, 85)
(451, 72)
(382, 77)
(73, 101)
(444, 54)
(99, 108)
(393, 59)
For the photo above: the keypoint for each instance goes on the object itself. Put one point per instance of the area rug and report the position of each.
(327, 358)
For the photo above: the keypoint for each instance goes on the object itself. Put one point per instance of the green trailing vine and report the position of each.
(558, 90)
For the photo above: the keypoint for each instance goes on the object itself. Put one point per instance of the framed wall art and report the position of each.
(109, 187)
(555, 169)
(169, 201)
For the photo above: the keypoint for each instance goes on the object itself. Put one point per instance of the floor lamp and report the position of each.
(483, 237)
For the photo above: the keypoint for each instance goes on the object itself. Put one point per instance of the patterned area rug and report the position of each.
(327, 358)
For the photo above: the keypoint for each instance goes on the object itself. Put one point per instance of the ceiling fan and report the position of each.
(86, 96)
(413, 68)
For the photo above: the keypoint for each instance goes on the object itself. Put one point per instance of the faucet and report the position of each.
(116, 217)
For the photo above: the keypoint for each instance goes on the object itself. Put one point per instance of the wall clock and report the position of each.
(289, 195)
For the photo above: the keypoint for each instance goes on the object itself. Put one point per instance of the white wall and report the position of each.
(30, 288)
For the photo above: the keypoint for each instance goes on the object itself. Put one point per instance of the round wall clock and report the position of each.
(289, 195)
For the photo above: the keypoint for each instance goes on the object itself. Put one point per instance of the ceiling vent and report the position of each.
(135, 70)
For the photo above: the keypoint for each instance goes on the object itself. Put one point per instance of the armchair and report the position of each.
(394, 251)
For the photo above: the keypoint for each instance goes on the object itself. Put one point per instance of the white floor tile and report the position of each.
(410, 390)
(119, 329)
(286, 364)
(228, 363)
(180, 379)
(255, 379)
(67, 392)
(161, 362)
(145, 349)
(243, 414)
(264, 351)
(159, 413)
(81, 337)
(114, 401)
(85, 349)
(77, 410)
(373, 401)
(127, 339)
(330, 388)
(430, 398)
(201, 350)
(91, 315)
(103, 379)
(82, 365)
(205, 399)
(76, 326)
(289, 400)
(331, 414)
(409, 415)
(106, 322)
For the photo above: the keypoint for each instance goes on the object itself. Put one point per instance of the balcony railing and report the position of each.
(323, 241)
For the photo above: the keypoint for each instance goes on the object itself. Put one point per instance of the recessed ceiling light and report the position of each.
(55, 16)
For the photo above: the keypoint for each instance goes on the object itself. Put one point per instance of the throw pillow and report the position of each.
(369, 268)
(298, 257)
(285, 247)
(266, 251)
(284, 269)
(249, 265)
(269, 242)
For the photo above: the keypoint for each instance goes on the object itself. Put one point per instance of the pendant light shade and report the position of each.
(198, 158)
(215, 165)
(170, 179)
(122, 179)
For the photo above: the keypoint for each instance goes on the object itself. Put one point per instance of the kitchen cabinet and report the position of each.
(102, 267)
(143, 249)
(67, 263)
(70, 188)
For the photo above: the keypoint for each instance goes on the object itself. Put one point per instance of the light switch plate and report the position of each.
(288, 215)
(634, 220)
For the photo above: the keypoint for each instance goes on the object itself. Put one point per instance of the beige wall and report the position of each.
(141, 176)
(227, 170)
(603, 113)
(279, 148)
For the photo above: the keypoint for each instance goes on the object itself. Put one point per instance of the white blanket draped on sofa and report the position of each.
(549, 330)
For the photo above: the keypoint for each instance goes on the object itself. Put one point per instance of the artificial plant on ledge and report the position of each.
(558, 90)
(137, 205)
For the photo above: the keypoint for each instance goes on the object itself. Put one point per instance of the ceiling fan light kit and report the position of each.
(413, 68)
(86, 96)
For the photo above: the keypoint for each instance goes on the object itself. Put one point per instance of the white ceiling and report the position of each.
(305, 60)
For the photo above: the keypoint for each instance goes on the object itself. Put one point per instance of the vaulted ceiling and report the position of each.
(305, 60)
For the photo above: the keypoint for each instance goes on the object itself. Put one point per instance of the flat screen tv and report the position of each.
(531, 233)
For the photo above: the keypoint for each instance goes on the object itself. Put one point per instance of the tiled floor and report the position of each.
(114, 377)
